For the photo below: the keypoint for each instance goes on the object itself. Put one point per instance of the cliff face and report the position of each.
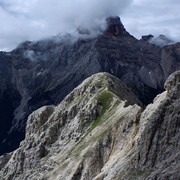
(44, 72)
(158, 139)
(99, 131)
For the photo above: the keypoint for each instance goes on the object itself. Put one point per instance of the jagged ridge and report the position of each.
(96, 134)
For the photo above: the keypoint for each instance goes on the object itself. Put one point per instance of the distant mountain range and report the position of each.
(44, 72)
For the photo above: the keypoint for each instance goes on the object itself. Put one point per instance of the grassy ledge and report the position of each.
(104, 98)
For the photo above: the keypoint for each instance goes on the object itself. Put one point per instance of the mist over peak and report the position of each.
(161, 40)
(38, 19)
(32, 20)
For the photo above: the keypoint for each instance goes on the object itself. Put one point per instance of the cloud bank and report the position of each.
(153, 17)
(22, 20)
(35, 19)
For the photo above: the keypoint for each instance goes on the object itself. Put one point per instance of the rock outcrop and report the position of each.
(44, 72)
(115, 27)
(158, 140)
(100, 131)
(69, 140)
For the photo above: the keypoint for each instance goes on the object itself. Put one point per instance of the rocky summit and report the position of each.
(42, 73)
(101, 131)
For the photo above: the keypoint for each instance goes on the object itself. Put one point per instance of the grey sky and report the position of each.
(22, 20)
(153, 17)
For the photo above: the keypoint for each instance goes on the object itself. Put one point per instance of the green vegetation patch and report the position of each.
(104, 98)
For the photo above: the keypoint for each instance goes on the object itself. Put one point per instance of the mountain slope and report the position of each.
(99, 132)
(70, 132)
(44, 72)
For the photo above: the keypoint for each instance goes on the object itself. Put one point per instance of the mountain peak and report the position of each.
(115, 26)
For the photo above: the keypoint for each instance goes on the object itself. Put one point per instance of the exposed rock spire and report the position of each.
(115, 26)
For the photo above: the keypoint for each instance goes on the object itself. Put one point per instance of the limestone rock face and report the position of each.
(158, 139)
(76, 138)
(99, 131)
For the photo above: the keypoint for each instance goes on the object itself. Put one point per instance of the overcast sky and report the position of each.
(153, 17)
(22, 20)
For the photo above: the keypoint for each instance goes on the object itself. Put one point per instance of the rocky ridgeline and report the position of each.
(58, 139)
(100, 131)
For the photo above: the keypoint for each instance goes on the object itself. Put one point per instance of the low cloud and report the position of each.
(35, 19)
(153, 17)
(23, 20)
(29, 54)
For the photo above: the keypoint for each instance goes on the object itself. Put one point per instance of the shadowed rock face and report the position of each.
(44, 72)
(99, 131)
(115, 27)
